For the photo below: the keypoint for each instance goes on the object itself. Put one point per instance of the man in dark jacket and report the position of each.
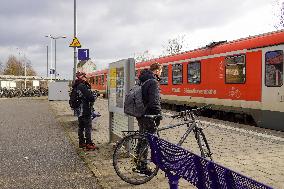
(84, 112)
(150, 95)
(151, 100)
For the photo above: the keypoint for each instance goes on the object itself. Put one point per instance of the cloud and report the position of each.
(113, 30)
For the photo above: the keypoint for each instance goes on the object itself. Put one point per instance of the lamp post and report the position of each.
(25, 70)
(53, 38)
(19, 53)
(55, 53)
(47, 61)
(50, 55)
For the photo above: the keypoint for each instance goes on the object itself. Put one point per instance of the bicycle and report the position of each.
(127, 157)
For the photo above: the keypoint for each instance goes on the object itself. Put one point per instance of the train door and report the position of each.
(272, 86)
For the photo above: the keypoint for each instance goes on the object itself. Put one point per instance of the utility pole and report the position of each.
(75, 35)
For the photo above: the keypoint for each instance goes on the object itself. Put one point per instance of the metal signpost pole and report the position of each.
(75, 35)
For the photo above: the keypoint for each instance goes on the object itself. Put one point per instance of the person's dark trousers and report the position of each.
(85, 130)
(149, 126)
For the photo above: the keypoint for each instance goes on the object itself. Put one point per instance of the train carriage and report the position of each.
(98, 81)
(244, 76)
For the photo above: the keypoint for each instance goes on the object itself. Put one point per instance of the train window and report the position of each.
(164, 75)
(97, 80)
(274, 68)
(235, 69)
(102, 79)
(177, 74)
(92, 80)
(194, 72)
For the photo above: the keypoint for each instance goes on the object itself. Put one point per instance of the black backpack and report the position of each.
(75, 100)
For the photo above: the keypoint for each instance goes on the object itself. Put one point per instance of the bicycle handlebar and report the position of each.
(180, 114)
(153, 116)
(197, 109)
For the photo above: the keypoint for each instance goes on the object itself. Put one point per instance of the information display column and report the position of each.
(121, 79)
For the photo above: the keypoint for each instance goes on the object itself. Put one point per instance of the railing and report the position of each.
(178, 163)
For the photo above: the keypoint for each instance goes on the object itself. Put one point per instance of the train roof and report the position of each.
(98, 72)
(252, 42)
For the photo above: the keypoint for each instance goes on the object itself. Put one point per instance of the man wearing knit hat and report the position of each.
(85, 111)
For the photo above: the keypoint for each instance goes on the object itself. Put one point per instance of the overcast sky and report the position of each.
(118, 29)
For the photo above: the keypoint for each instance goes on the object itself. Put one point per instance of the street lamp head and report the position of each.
(63, 36)
(52, 37)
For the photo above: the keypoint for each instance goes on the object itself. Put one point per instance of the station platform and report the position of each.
(254, 152)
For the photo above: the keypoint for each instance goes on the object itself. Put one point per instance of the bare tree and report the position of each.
(175, 45)
(279, 14)
(144, 56)
(30, 70)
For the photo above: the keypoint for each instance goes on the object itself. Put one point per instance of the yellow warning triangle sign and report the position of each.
(75, 43)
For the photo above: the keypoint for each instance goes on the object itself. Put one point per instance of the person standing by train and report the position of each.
(152, 102)
(84, 112)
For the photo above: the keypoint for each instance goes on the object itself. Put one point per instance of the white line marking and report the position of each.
(244, 131)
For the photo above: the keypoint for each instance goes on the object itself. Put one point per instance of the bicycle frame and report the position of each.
(191, 124)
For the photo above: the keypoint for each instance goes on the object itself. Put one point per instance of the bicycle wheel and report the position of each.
(203, 144)
(128, 157)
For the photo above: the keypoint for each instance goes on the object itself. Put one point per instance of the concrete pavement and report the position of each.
(34, 150)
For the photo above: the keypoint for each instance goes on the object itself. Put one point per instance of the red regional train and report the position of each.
(243, 77)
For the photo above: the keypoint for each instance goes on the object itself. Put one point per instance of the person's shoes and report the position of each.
(91, 146)
(83, 145)
(95, 114)
(143, 171)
